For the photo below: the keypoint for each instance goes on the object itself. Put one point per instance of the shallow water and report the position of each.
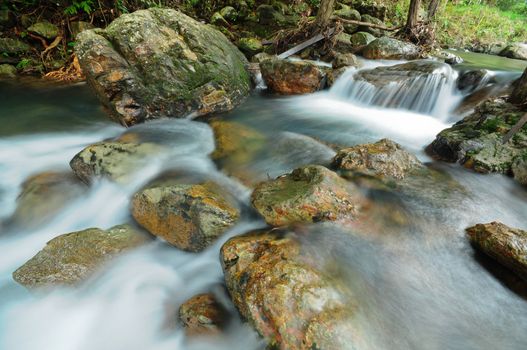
(417, 284)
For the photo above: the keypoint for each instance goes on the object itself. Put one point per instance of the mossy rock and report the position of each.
(13, 46)
(361, 39)
(7, 71)
(390, 49)
(250, 46)
(44, 29)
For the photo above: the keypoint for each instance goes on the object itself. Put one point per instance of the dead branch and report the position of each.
(367, 24)
(38, 37)
(517, 127)
(51, 46)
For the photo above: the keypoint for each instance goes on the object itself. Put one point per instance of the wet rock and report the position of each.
(44, 195)
(229, 13)
(203, 315)
(448, 57)
(470, 80)
(171, 66)
(516, 50)
(390, 49)
(403, 73)
(371, 30)
(260, 57)
(283, 294)
(519, 169)
(309, 194)
(519, 94)
(13, 46)
(476, 141)
(190, 217)
(345, 60)
(44, 29)
(7, 71)
(235, 141)
(505, 244)
(293, 77)
(334, 74)
(79, 26)
(361, 39)
(115, 160)
(250, 46)
(343, 44)
(71, 258)
(384, 158)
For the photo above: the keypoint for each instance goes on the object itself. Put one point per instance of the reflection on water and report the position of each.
(416, 281)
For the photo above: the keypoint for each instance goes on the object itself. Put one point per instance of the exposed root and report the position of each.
(70, 73)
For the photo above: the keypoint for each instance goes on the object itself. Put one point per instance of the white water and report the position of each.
(420, 291)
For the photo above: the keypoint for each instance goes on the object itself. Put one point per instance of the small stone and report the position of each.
(203, 315)
(345, 60)
(218, 20)
(44, 29)
(229, 13)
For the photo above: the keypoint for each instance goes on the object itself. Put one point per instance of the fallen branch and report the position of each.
(51, 46)
(517, 127)
(305, 44)
(367, 24)
(38, 37)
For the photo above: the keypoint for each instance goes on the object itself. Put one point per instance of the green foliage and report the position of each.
(85, 6)
(25, 62)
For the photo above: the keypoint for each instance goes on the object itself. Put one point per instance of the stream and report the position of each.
(417, 286)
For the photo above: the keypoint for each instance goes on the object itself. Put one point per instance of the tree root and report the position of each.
(70, 73)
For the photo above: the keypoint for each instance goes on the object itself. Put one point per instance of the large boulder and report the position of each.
(203, 315)
(384, 159)
(190, 217)
(114, 160)
(390, 49)
(44, 195)
(477, 140)
(293, 77)
(505, 244)
(161, 63)
(519, 94)
(284, 295)
(515, 50)
(309, 194)
(71, 258)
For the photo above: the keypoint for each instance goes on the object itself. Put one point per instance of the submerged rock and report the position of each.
(190, 217)
(71, 258)
(506, 245)
(44, 195)
(470, 80)
(384, 158)
(309, 194)
(519, 94)
(293, 77)
(203, 315)
(515, 50)
(390, 49)
(476, 141)
(284, 296)
(115, 160)
(161, 63)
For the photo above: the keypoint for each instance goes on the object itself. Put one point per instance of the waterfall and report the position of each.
(424, 86)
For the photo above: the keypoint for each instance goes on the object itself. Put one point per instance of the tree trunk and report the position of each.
(413, 15)
(324, 13)
(433, 5)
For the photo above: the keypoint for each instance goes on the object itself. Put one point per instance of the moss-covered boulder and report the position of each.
(281, 291)
(477, 140)
(373, 20)
(229, 13)
(71, 258)
(515, 50)
(13, 46)
(384, 159)
(203, 315)
(188, 216)
(161, 63)
(44, 29)
(268, 15)
(309, 194)
(505, 244)
(44, 195)
(519, 94)
(250, 46)
(7, 71)
(390, 49)
(361, 39)
(293, 77)
(343, 43)
(114, 160)
(347, 12)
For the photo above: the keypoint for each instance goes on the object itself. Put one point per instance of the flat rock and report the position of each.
(71, 258)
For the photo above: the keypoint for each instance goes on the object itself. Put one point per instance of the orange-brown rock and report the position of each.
(293, 77)
(203, 315)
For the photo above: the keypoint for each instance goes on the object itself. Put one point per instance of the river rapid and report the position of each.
(417, 286)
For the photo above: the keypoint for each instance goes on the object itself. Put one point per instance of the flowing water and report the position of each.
(417, 284)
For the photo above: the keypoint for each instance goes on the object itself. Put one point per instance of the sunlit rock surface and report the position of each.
(161, 63)
(190, 217)
(71, 258)
(505, 244)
